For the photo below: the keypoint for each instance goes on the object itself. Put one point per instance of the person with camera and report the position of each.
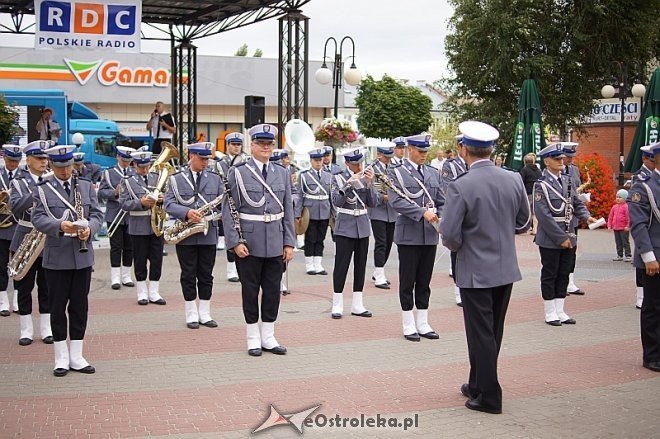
(47, 128)
(161, 126)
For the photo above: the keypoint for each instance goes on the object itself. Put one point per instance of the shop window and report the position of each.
(105, 146)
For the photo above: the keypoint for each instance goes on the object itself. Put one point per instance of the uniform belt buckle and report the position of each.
(268, 218)
(356, 213)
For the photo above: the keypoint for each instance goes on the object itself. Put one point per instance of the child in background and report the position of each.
(619, 221)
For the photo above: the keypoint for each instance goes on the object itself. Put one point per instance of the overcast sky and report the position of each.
(404, 39)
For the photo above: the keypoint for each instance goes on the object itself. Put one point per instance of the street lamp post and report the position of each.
(620, 90)
(324, 75)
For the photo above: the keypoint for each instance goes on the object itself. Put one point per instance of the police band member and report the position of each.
(188, 192)
(570, 150)
(485, 208)
(313, 189)
(328, 165)
(21, 200)
(646, 170)
(645, 228)
(121, 246)
(90, 171)
(399, 150)
(557, 212)
(136, 199)
(234, 142)
(453, 168)
(258, 218)
(383, 218)
(66, 210)
(281, 157)
(419, 200)
(352, 192)
(12, 158)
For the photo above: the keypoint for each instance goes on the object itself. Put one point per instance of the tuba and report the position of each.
(164, 170)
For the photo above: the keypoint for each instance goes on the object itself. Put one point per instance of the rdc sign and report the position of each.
(97, 25)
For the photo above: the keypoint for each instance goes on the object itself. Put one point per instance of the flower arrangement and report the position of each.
(335, 131)
(602, 186)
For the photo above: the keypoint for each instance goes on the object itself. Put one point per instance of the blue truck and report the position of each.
(101, 135)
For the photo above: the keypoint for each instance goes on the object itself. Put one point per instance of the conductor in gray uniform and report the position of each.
(66, 210)
(643, 205)
(352, 192)
(419, 201)
(188, 192)
(383, 219)
(136, 199)
(259, 228)
(12, 158)
(313, 189)
(484, 210)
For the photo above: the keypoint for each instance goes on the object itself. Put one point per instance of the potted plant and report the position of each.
(335, 132)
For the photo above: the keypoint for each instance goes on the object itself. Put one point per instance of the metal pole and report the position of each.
(337, 81)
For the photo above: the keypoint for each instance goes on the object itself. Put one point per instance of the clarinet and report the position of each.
(80, 210)
(568, 213)
(233, 211)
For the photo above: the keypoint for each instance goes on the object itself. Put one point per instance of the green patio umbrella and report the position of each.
(529, 129)
(648, 125)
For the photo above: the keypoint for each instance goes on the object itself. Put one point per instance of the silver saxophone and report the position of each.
(182, 229)
(27, 253)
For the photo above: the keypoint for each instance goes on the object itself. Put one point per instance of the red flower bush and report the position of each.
(602, 188)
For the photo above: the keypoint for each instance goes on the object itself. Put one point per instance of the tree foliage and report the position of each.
(258, 53)
(444, 132)
(568, 47)
(242, 51)
(8, 125)
(389, 109)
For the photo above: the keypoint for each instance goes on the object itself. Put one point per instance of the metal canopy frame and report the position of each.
(182, 22)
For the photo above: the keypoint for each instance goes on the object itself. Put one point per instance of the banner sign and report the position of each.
(109, 25)
(609, 110)
(651, 132)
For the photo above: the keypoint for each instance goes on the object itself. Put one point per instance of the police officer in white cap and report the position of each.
(383, 219)
(66, 210)
(570, 150)
(328, 166)
(259, 228)
(121, 246)
(90, 171)
(313, 190)
(419, 201)
(484, 210)
(399, 150)
(23, 187)
(645, 171)
(138, 201)
(643, 202)
(557, 209)
(352, 192)
(234, 148)
(189, 191)
(12, 158)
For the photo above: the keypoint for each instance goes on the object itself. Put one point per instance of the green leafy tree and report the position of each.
(242, 51)
(444, 132)
(258, 53)
(388, 109)
(568, 47)
(8, 126)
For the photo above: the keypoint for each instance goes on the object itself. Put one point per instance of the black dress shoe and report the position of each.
(4, 313)
(254, 352)
(554, 323)
(653, 365)
(362, 314)
(158, 302)
(576, 293)
(388, 282)
(311, 273)
(384, 286)
(638, 307)
(286, 293)
(473, 404)
(460, 304)
(277, 350)
(128, 284)
(48, 340)
(116, 286)
(192, 325)
(233, 279)
(412, 337)
(89, 369)
(210, 324)
(143, 302)
(465, 390)
(60, 372)
(25, 341)
(568, 322)
(430, 335)
(336, 315)
(322, 273)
